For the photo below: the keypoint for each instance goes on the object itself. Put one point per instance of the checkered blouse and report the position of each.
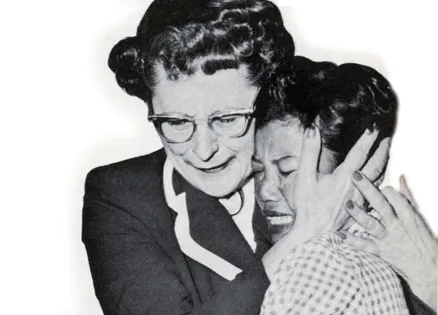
(326, 276)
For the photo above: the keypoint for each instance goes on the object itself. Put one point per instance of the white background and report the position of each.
(62, 113)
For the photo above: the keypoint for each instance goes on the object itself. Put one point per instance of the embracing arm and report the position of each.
(134, 275)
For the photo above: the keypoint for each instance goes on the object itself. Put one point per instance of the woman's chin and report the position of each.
(219, 191)
(219, 188)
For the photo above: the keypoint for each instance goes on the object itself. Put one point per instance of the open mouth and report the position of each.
(215, 169)
(284, 220)
(281, 220)
(278, 219)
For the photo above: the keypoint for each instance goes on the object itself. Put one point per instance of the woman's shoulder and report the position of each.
(133, 169)
(132, 187)
(128, 180)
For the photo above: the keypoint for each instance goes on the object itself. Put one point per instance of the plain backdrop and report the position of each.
(62, 114)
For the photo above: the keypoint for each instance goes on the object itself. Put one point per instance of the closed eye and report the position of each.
(177, 121)
(228, 120)
(287, 165)
(287, 172)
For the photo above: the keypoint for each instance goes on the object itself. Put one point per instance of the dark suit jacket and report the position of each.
(135, 259)
(136, 262)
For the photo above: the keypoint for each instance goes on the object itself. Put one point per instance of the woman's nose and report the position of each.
(205, 143)
(269, 189)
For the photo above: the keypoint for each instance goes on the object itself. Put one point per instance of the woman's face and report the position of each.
(276, 160)
(216, 165)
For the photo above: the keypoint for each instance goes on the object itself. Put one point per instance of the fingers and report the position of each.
(359, 153)
(401, 207)
(379, 181)
(406, 213)
(358, 199)
(376, 165)
(360, 243)
(369, 223)
(376, 199)
(406, 191)
(310, 152)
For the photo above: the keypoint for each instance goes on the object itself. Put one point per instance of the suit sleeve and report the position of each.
(416, 305)
(133, 274)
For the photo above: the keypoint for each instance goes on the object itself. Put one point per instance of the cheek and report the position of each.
(242, 147)
(258, 182)
(177, 149)
(288, 187)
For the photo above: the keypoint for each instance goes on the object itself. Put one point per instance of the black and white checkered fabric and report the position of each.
(327, 276)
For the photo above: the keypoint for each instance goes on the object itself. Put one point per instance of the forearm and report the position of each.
(427, 291)
(422, 277)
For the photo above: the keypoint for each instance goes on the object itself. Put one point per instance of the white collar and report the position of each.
(182, 230)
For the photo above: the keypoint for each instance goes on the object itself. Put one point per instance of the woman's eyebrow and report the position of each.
(230, 110)
(173, 114)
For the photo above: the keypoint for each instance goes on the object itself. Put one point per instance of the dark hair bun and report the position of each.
(125, 61)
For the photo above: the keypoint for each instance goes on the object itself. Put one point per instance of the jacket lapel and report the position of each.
(162, 223)
(212, 227)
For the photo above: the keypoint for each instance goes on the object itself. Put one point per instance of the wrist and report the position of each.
(427, 293)
(425, 287)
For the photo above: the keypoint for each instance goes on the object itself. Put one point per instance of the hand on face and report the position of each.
(317, 197)
(298, 185)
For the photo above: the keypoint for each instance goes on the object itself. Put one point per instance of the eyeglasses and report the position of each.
(180, 128)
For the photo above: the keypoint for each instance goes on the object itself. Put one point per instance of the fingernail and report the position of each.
(388, 139)
(349, 204)
(357, 176)
(341, 235)
(310, 132)
(402, 180)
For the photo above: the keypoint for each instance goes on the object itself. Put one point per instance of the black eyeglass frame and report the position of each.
(157, 120)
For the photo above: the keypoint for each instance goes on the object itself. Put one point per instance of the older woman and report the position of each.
(177, 231)
(324, 274)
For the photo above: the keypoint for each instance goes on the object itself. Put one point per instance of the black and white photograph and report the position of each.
(223, 157)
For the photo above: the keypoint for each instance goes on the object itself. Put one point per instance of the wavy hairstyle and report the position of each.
(341, 101)
(186, 36)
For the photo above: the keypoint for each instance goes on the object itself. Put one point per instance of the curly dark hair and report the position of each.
(187, 35)
(341, 101)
